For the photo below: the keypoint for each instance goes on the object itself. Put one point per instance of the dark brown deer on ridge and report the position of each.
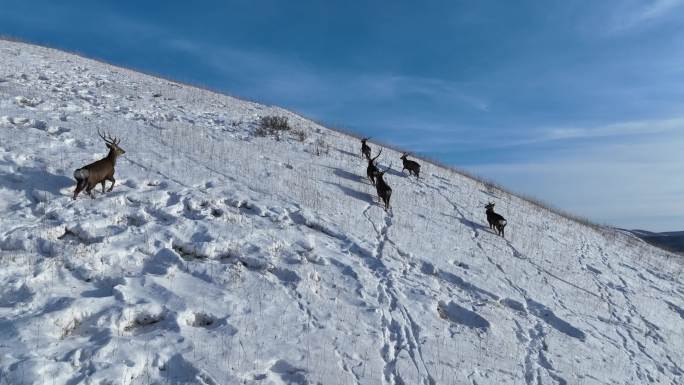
(87, 177)
(383, 189)
(365, 149)
(495, 220)
(371, 169)
(412, 166)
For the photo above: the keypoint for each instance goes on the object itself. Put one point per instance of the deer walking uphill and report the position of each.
(365, 149)
(87, 177)
(383, 189)
(495, 220)
(412, 166)
(372, 168)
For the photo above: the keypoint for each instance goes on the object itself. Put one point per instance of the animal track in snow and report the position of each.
(455, 313)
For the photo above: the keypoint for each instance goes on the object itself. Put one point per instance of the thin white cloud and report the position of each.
(619, 131)
(658, 8)
(632, 184)
(287, 78)
(615, 129)
(628, 15)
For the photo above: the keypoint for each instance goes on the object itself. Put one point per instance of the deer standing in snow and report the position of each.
(372, 169)
(87, 177)
(383, 189)
(365, 149)
(495, 220)
(412, 166)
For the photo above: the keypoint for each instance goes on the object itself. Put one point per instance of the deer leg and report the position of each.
(89, 190)
(79, 187)
(103, 186)
(111, 179)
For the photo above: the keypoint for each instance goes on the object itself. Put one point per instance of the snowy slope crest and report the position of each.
(225, 258)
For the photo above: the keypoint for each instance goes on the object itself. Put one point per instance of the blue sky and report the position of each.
(578, 103)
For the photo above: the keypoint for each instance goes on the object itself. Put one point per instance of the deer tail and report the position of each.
(81, 174)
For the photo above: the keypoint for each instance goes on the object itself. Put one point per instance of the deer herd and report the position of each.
(98, 172)
(376, 177)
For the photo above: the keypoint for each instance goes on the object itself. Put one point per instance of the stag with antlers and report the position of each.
(412, 166)
(87, 177)
(383, 189)
(372, 168)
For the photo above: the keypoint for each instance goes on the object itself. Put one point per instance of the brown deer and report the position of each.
(383, 189)
(89, 176)
(412, 166)
(365, 149)
(495, 220)
(372, 169)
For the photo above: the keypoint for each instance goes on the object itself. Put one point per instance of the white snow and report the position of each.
(225, 258)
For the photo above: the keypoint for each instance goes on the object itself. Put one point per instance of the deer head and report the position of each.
(489, 206)
(112, 143)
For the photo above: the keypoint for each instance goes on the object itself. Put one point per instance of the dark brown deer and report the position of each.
(384, 190)
(89, 176)
(365, 149)
(371, 169)
(495, 220)
(412, 166)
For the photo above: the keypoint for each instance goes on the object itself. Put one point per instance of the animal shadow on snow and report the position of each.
(31, 180)
(354, 154)
(347, 175)
(360, 195)
(394, 172)
(473, 225)
(288, 373)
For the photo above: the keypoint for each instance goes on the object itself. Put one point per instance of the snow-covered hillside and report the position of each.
(225, 258)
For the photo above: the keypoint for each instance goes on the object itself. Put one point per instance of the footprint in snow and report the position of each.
(457, 314)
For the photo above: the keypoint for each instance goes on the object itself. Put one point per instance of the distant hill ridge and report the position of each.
(670, 240)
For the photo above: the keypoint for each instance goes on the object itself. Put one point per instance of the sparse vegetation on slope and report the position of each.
(225, 257)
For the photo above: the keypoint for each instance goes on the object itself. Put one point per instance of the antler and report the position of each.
(376, 157)
(109, 140)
